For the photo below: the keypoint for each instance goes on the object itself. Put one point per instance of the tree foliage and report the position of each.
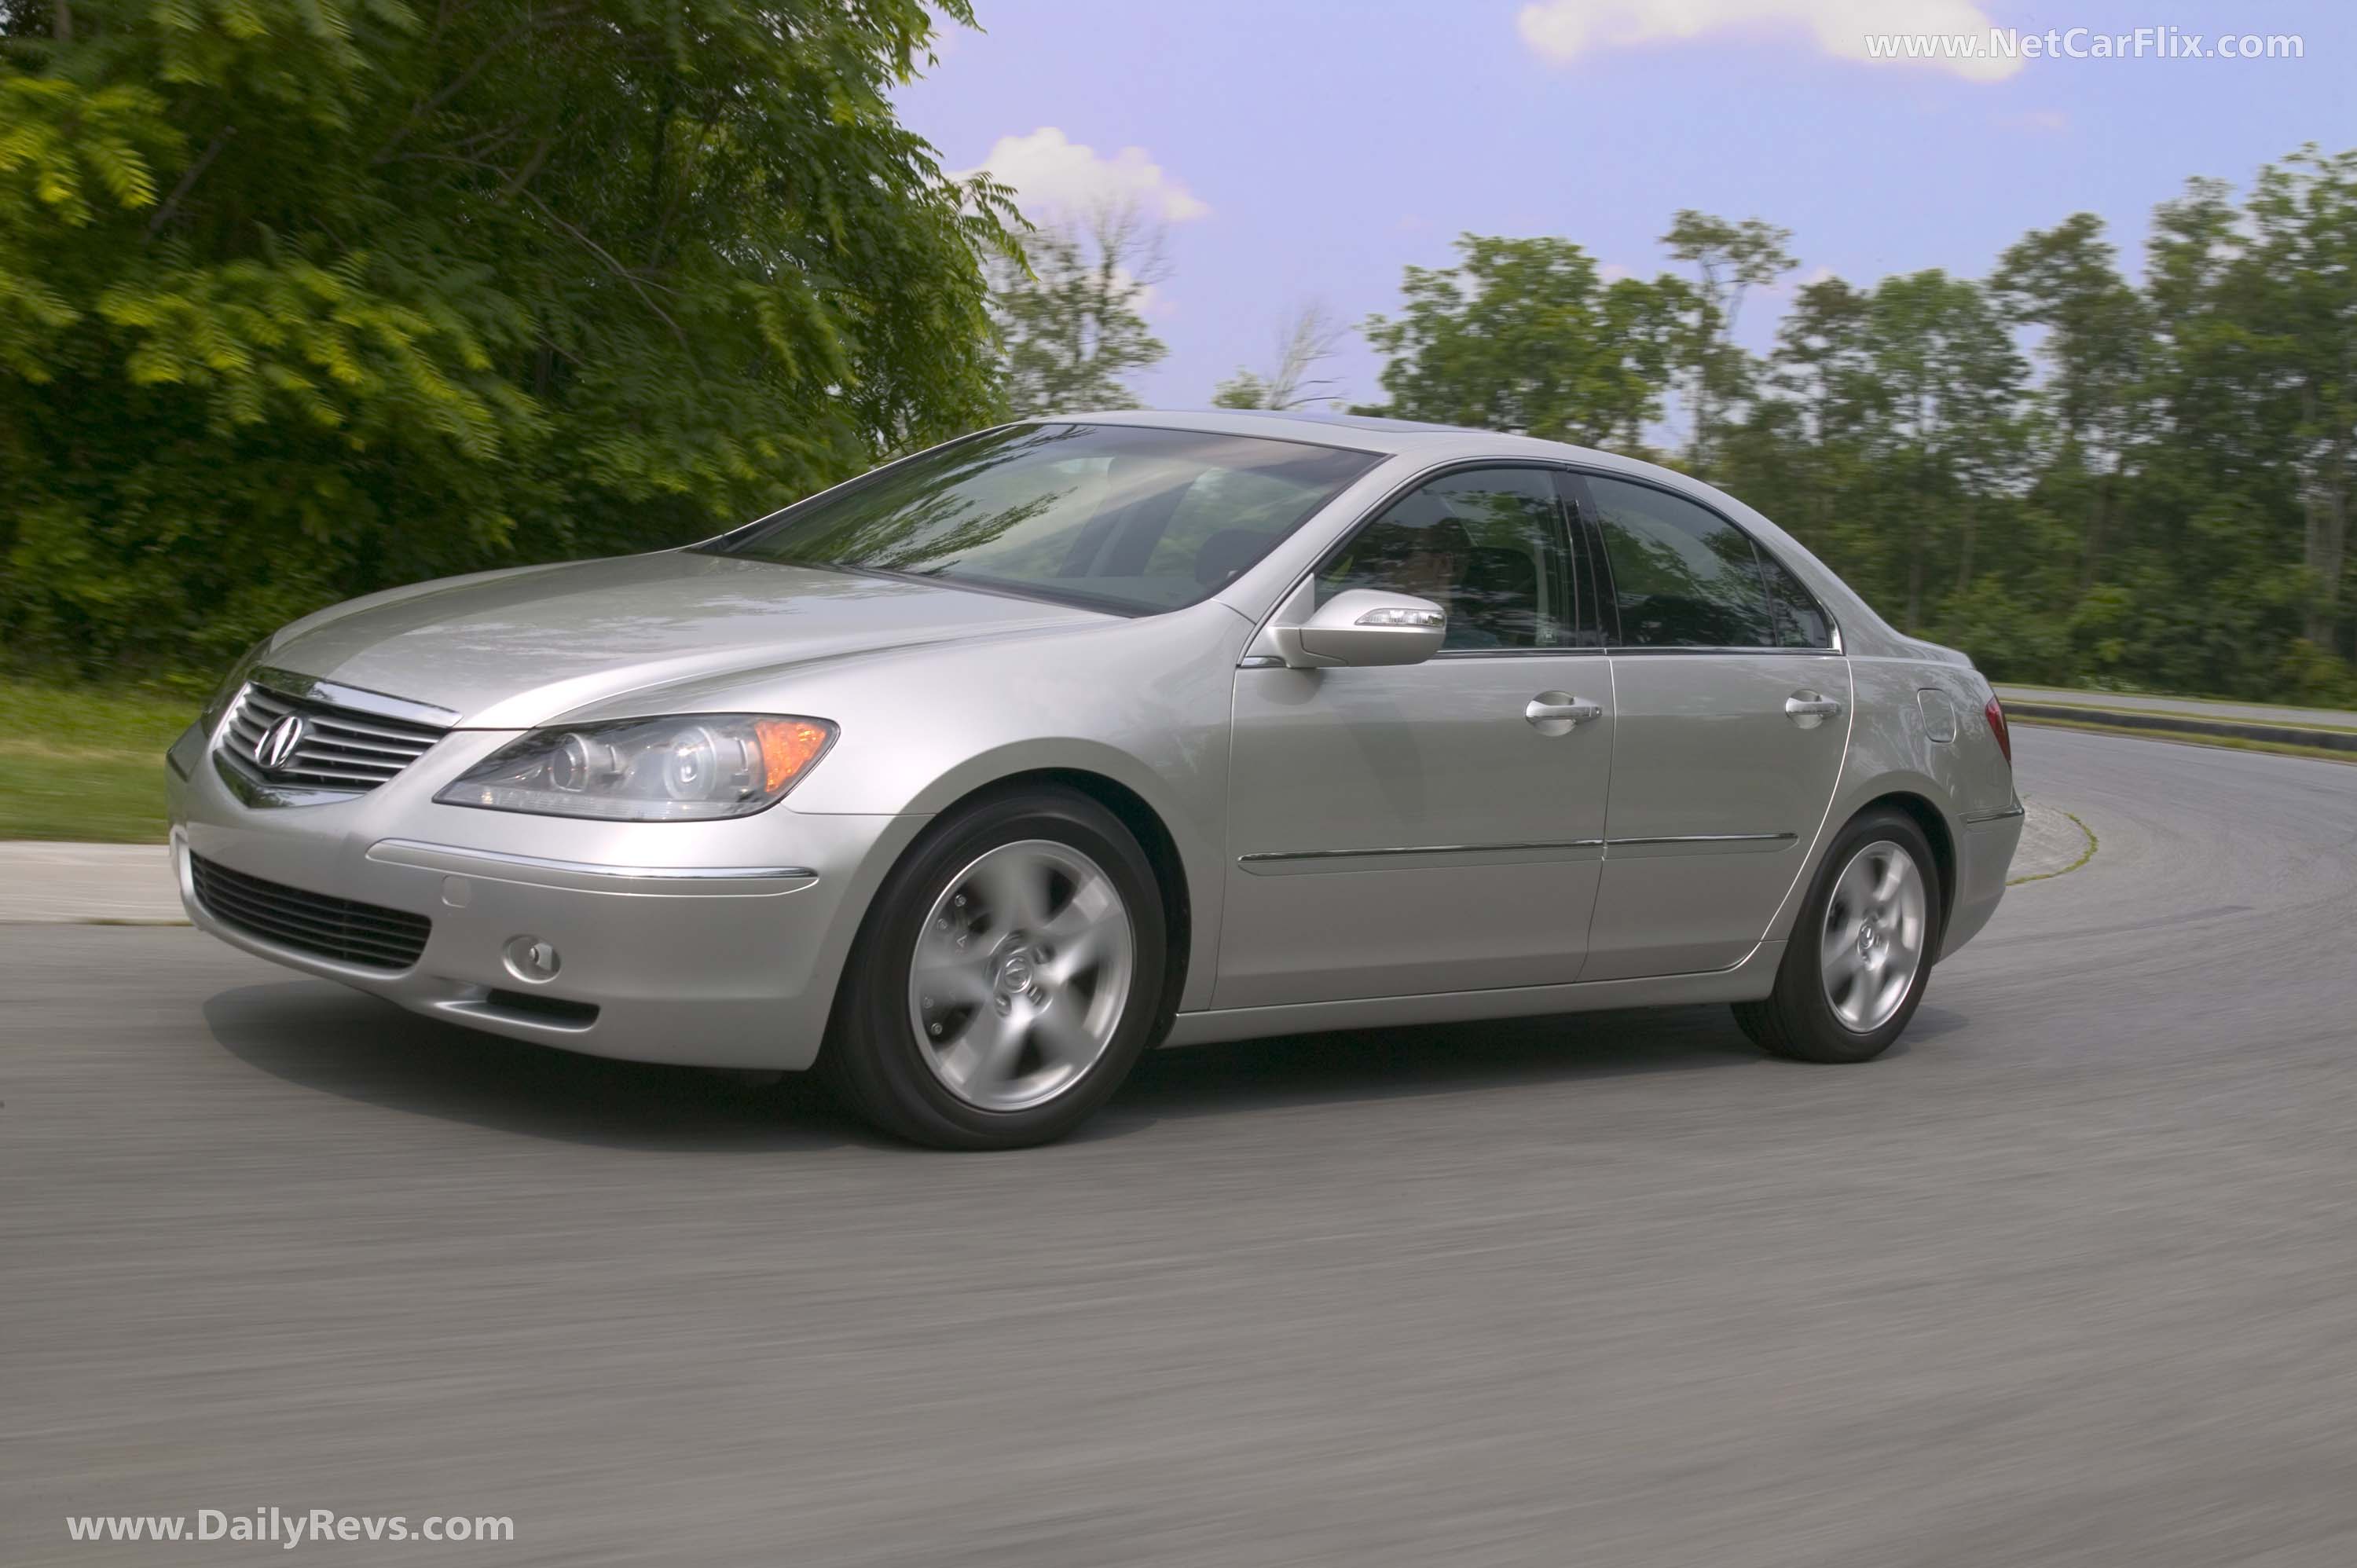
(1070, 311)
(302, 297)
(1526, 335)
(1730, 259)
(2157, 494)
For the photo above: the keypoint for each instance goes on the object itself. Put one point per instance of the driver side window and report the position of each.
(1485, 544)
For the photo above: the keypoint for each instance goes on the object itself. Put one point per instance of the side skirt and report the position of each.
(1746, 982)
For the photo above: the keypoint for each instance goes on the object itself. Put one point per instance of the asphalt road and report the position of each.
(2070, 1277)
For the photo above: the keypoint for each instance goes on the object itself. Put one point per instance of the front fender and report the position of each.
(1146, 703)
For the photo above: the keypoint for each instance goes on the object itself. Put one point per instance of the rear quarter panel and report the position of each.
(1965, 779)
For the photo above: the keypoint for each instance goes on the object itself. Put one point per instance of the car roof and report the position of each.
(1359, 431)
(1367, 433)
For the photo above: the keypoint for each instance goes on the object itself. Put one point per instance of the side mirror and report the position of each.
(1366, 626)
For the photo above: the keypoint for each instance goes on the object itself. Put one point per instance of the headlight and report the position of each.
(692, 768)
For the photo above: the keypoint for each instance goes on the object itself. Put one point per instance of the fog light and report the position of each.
(530, 957)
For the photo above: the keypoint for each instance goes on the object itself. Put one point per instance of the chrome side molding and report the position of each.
(1265, 863)
(1268, 857)
(1703, 838)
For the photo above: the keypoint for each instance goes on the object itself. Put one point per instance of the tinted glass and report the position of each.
(1127, 518)
(1485, 544)
(1799, 622)
(1686, 578)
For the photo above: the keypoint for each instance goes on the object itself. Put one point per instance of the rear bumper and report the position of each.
(1983, 857)
(718, 945)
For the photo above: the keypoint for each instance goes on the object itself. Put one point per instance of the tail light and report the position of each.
(1995, 711)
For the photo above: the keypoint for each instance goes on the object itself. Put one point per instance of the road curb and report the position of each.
(2185, 725)
(2054, 842)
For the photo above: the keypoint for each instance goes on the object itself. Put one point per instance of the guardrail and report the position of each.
(2189, 725)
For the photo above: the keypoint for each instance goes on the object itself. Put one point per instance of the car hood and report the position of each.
(511, 650)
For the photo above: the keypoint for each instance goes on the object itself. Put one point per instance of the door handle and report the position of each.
(1559, 713)
(1810, 709)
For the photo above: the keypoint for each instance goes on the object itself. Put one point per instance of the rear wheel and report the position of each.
(1007, 978)
(1861, 951)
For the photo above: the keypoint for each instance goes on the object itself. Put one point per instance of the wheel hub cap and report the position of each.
(1021, 974)
(1872, 947)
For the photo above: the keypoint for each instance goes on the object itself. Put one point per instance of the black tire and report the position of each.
(874, 1061)
(1797, 1019)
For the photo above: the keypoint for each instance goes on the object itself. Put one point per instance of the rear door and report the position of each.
(1436, 826)
(1731, 717)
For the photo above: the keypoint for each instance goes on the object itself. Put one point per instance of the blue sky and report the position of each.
(1300, 150)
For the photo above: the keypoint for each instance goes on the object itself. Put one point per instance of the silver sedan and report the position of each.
(969, 780)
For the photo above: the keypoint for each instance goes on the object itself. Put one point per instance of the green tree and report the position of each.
(2298, 270)
(1730, 259)
(1073, 320)
(1945, 385)
(299, 298)
(1802, 452)
(2098, 335)
(1524, 335)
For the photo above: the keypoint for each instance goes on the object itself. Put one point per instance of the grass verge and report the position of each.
(84, 762)
(2196, 712)
(2191, 706)
(2227, 742)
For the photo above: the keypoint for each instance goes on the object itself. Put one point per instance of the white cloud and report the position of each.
(1562, 30)
(1054, 175)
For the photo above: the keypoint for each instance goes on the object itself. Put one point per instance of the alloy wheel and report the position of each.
(1872, 945)
(1021, 973)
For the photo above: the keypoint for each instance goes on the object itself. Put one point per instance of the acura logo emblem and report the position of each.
(277, 745)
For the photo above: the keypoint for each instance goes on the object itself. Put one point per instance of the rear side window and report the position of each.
(1685, 577)
(1798, 619)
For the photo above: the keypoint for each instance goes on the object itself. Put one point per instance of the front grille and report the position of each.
(368, 935)
(340, 748)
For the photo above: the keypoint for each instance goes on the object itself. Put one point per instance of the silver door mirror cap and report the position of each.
(1364, 627)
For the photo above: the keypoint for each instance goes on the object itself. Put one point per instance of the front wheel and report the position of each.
(1861, 950)
(1007, 977)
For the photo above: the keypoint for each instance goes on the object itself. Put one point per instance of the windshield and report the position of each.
(1116, 517)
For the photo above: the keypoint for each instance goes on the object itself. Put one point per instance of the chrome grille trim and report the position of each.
(369, 936)
(341, 751)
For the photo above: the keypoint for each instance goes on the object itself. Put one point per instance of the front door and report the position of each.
(1731, 719)
(1431, 827)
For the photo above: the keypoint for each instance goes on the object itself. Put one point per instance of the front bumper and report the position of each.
(715, 944)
